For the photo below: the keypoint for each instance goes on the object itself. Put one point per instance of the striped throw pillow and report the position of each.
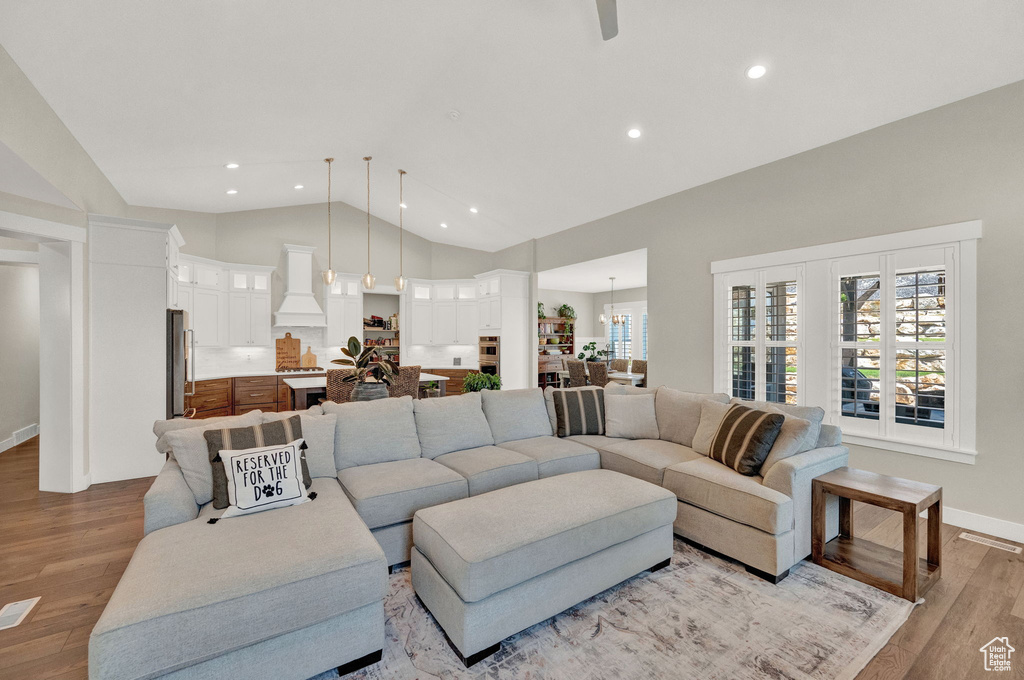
(744, 438)
(276, 433)
(579, 411)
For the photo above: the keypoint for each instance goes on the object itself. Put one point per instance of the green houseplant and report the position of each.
(540, 311)
(367, 363)
(430, 390)
(566, 312)
(475, 382)
(592, 353)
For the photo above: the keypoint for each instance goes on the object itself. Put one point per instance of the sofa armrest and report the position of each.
(169, 501)
(792, 476)
(830, 435)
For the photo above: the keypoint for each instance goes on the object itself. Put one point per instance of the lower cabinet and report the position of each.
(455, 377)
(212, 398)
(237, 396)
(255, 392)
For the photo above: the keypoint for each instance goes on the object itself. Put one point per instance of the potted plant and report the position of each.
(566, 312)
(430, 390)
(367, 364)
(590, 352)
(540, 311)
(475, 382)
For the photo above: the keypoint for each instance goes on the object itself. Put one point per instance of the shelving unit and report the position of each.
(563, 331)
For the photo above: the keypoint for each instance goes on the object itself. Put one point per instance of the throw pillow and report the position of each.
(516, 414)
(189, 448)
(162, 428)
(630, 416)
(263, 478)
(815, 414)
(318, 433)
(579, 411)
(790, 440)
(378, 431)
(618, 388)
(276, 433)
(678, 413)
(744, 438)
(451, 424)
(711, 414)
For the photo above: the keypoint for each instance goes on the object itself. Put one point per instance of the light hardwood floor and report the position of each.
(72, 549)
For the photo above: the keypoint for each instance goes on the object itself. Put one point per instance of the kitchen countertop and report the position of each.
(217, 375)
(314, 383)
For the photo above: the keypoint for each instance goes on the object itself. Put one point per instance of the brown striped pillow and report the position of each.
(744, 438)
(277, 433)
(579, 411)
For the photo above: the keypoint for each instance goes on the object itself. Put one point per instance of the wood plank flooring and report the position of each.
(72, 549)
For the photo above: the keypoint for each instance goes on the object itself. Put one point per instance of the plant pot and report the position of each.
(432, 393)
(369, 391)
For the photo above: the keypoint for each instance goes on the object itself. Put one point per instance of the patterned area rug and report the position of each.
(702, 617)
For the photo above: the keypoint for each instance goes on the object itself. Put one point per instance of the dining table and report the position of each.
(305, 388)
(621, 377)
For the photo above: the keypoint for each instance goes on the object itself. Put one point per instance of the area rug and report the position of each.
(701, 617)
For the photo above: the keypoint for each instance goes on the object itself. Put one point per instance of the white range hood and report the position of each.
(299, 307)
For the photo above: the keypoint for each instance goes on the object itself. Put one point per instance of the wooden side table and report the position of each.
(903, 575)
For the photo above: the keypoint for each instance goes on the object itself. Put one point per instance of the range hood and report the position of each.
(299, 307)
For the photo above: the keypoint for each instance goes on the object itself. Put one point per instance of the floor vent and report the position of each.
(990, 543)
(14, 613)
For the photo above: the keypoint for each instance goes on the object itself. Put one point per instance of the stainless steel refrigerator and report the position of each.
(180, 367)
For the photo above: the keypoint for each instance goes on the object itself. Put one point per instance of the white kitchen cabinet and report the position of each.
(420, 327)
(255, 281)
(344, 319)
(468, 323)
(205, 315)
(490, 313)
(248, 319)
(445, 326)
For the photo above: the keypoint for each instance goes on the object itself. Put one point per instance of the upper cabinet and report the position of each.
(442, 313)
(202, 293)
(249, 306)
(253, 281)
(343, 303)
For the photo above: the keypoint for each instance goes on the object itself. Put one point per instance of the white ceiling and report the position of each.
(629, 270)
(163, 94)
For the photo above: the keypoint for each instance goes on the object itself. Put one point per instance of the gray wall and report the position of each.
(960, 162)
(582, 303)
(621, 296)
(19, 338)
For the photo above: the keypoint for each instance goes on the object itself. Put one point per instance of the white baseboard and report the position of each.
(8, 443)
(1001, 528)
(19, 436)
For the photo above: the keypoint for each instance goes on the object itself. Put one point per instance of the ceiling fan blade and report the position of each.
(609, 18)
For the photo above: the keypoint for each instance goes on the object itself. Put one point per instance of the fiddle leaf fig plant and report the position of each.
(366, 362)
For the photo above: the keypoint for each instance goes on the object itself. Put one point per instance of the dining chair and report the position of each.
(338, 390)
(598, 373)
(621, 365)
(577, 374)
(640, 366)
(408, 383)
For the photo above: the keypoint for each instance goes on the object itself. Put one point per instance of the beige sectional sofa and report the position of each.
(198, 599)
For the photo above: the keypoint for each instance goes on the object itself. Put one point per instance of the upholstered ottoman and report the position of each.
(492, 565)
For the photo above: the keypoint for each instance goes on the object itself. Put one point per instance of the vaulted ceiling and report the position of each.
(518, 109)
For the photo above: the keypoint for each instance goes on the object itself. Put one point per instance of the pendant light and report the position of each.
(400, 280)
(369, 280)
(329, 274)
(617, 319)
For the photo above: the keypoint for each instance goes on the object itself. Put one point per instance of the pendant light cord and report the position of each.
(329, 259)
(367, 159)
(401, 227)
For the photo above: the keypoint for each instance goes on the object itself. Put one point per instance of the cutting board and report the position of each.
(288, 349)
(309, 359)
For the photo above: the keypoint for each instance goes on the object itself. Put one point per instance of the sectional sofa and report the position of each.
(296, 591)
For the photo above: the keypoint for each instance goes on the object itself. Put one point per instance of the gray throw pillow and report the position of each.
(516, 414)
(451, 424)
(744, 438)
(318, 433)
(378, 431)
(815, 414)
(790, 441)
(711, 414)
(630, 416)
(678, 413)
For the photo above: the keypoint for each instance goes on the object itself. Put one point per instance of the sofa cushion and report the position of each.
(516, 414)
(388, 493)
(579, 411)
(678, 413)
(318, 432)
(490, 467)
(745, 438)
(711, 415)
(555, 455)
(815, 414)
(711, 486)
(644, 459)
(378, 431)
(597, 442)
(630, 416)
(161, 428)
(618, 388)
(195, 591)
(451, 424)
(189, 448)
(791, 439)
(488, 543)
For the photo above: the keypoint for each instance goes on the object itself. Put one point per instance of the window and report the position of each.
(880, 332)
(621, 337)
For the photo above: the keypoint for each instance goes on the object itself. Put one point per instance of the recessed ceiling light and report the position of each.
(634, 133)
(299, 186)
(231, 166)
(756, 71)
(403, 206)
(232, 191)
(444, 226)
(473, 210)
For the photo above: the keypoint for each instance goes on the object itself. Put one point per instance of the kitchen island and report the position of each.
(305, 388)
